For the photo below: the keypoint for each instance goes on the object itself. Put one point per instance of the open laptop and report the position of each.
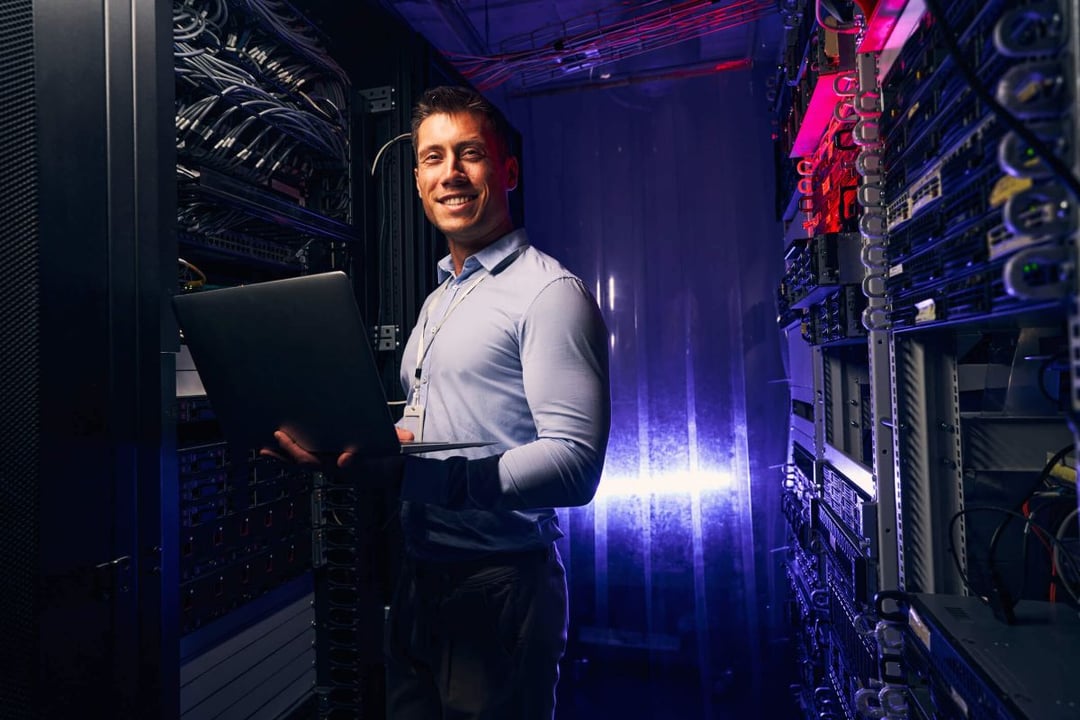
(293, 354)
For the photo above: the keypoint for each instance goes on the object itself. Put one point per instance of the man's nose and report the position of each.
(453, 171)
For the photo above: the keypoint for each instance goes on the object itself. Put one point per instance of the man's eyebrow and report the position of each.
(473, 142)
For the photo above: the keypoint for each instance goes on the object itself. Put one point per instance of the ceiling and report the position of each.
(526, 47)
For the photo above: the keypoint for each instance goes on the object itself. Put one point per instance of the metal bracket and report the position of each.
(387, 337)
(318, 548)
(378, 99)
(112, 577)
(318, 533)
(317, 499)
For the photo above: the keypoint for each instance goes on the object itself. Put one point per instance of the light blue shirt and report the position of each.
(522, 361)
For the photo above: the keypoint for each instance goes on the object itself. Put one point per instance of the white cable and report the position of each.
(388, 143)
(850, 30)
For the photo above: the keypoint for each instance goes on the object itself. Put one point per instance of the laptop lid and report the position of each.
(292, 354)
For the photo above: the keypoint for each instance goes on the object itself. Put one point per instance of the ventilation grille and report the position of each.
(914, 451)
(19, 416)
(827, 393)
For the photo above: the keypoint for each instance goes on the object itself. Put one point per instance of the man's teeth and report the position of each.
(456, 200)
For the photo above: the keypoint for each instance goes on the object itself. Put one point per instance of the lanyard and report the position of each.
(424, 344)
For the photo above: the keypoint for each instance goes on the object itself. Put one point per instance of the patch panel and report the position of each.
(849, 569)
(852, 505)
(837, 318)
(817, 269)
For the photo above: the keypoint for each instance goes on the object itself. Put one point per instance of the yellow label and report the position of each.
(1029, 90)
(832, 44)
(927, 310)
(1006, 187)
(918, 627)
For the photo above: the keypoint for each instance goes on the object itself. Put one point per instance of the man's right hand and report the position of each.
(290, 451)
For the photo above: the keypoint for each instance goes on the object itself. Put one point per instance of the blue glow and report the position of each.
(668, 483)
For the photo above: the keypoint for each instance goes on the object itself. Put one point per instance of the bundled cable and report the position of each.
(260, 100)
(605, 36)
(280, 19)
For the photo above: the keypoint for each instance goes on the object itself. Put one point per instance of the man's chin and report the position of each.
(463, 232)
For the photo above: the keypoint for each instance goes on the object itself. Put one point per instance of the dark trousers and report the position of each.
(480, 639)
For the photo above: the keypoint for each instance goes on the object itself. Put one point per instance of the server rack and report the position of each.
(944, 430)
(152, 570)
(264, 191)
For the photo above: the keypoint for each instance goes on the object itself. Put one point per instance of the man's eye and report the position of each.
(470, 154)
(431, 158)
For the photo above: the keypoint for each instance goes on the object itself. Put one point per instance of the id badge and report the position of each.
(413, 419)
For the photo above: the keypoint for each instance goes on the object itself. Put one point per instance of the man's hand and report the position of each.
(290, 451)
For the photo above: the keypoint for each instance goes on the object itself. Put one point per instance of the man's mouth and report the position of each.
(457, 200)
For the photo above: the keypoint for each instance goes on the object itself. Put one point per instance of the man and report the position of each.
(511, 348)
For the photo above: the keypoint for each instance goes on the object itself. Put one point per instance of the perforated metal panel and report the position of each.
(928, 463)
(19, 416)
(914, 533)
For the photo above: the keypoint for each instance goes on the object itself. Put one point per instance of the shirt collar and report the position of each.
(488, 258)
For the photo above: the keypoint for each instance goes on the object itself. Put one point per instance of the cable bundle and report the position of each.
(252, 104)
(605, 36)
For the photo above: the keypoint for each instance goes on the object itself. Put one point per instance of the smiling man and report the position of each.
(510, 347)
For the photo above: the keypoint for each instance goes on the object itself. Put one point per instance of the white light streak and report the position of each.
(672, 483)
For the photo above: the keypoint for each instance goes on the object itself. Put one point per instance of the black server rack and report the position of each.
(89, 217)
(160, 148)
(931, 475)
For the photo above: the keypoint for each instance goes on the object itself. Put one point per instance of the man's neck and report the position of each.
(460, 251)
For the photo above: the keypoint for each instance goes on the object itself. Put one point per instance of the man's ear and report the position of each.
(416, 179)
(512, 170)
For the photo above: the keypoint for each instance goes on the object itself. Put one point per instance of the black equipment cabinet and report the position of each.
(87, 360)
(109, 609)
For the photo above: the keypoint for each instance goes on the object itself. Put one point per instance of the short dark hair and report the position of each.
(451, 100)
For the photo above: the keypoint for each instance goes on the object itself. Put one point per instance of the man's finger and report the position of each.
(404, 435)
(298, 453)
(345, 459)
(267, 452)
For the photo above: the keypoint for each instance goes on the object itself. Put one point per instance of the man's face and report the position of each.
(463, 178)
